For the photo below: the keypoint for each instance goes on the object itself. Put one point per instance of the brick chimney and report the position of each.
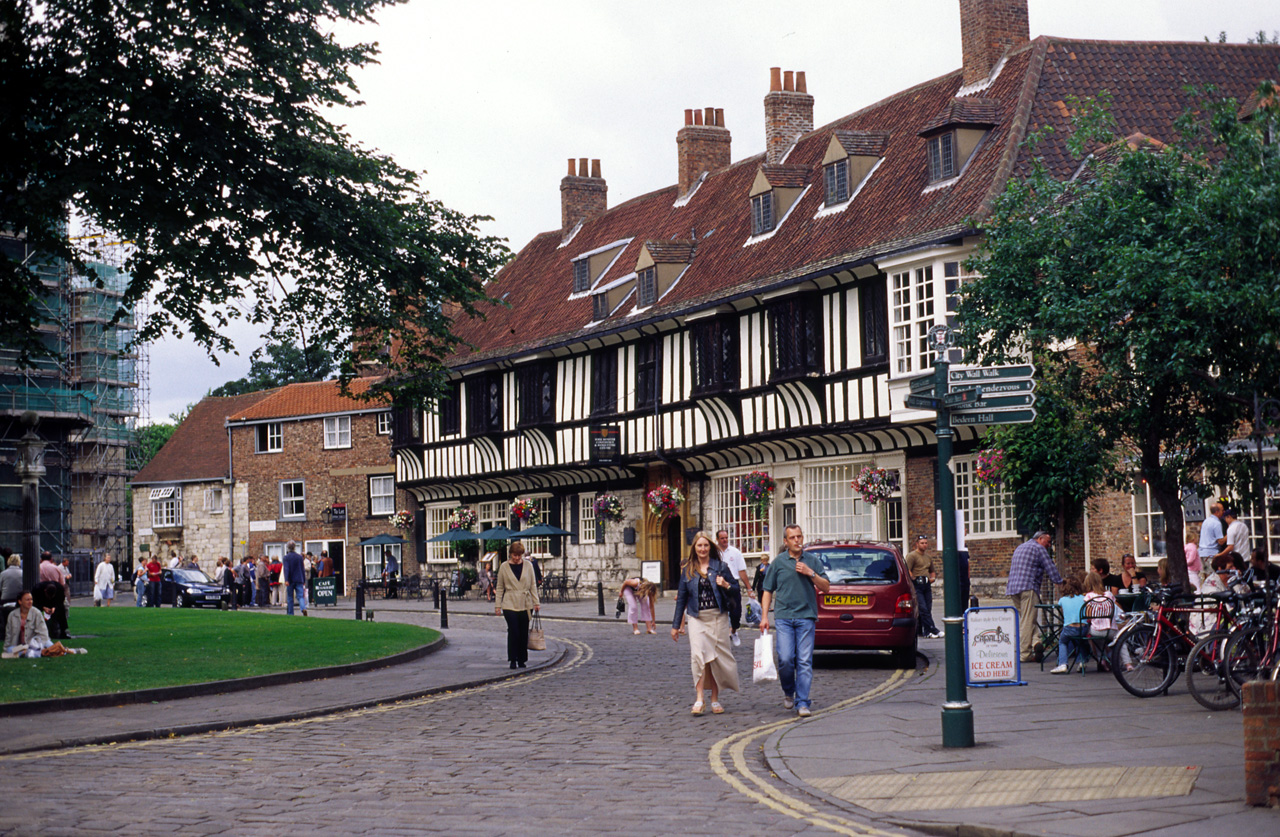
(989, 29)
(582, 195)
(702, 144)
(788, 113)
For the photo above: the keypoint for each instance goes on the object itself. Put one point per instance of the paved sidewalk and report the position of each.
(1066, 754)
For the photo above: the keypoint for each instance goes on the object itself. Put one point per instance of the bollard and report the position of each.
(444, 611)
(600, 596)
(435, 596)
(359, 602)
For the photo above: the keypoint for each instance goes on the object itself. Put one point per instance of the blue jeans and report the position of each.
(298, 591)
(795, 657)
(1070, 641)
(140, 590)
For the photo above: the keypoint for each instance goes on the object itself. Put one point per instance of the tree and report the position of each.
(285, 363)
(1161, 266)
(198, 133)
(152, 437)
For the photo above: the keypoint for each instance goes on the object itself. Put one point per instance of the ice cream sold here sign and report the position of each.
(991, 647)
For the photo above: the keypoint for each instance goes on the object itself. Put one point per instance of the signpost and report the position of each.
(982, 395)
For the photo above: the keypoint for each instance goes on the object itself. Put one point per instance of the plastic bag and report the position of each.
(754, 613)
(764, 668)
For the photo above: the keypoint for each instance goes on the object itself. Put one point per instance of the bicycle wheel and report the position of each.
(1207, 676)
(1243, 657)
(1143, 668)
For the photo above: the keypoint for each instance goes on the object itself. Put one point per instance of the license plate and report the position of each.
(862, 600)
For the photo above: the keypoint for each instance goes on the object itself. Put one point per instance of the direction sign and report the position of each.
(921, 402)
(922, 384)
(968, 395)
(998, 387)
(991, 373)
(999, 402)
(995, 417)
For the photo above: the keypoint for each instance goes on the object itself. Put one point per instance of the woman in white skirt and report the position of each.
(104, 583)
(702, 605)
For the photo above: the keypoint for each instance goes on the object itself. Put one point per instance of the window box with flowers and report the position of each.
(665, 501)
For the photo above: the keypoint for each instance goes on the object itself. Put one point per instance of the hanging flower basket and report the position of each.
(463, 518)
(875, 485)
(989, 468)
(664, 501)
(402, 520)
(609, 508)
(757, 489)
(525, 510)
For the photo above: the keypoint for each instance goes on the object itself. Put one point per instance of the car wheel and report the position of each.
(187, 601)
(905, 657)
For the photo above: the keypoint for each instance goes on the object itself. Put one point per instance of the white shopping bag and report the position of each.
(764, 668)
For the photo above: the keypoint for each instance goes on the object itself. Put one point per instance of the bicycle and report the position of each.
(1252, 652)
(1147, 655)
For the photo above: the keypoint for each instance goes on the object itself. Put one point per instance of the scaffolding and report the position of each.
(89, 392)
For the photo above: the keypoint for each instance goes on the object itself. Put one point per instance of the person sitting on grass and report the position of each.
(1074, 628)
(25, 632)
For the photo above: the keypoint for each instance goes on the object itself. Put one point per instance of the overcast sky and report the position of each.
(490, 99)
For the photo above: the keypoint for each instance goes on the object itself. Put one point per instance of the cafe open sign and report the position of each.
(606, 444)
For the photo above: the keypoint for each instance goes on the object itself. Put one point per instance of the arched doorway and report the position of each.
(675, 551)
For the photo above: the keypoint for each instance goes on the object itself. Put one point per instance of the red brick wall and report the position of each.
(1262, 744)
(305, 457)
(787, 114)
(582, 196)
(701, 148)
(989, 28)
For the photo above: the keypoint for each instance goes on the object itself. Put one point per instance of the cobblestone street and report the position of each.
(602, 743)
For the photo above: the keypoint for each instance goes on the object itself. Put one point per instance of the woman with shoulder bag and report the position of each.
(515, 595)
(702, 603)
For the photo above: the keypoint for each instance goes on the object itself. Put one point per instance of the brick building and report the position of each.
(317, 469)
(768, 314)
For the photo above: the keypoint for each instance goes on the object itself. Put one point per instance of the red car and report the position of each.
(871, 604)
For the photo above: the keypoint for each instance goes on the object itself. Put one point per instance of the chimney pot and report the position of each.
(697, 117)
(595, 169)
(775, 78)
(582, 167)
(720, 117)
(788, 81)
(688, 116)
(700, 149)
(788, 114)
(582, 197)
(573, 169)
(710, 116)
(800, 85)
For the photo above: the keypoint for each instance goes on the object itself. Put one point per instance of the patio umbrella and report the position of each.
(382, 542)
(545, 530)
(497, 533)
(454, 535)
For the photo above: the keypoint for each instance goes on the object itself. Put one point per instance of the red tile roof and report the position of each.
(670, 252)
(892, 212)
(862, 143)
(197, 451)
(309, 399)
(964, 111)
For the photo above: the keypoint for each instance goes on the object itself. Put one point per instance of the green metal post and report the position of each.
(957, 712)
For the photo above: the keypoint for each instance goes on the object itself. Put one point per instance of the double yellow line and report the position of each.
(748, 782)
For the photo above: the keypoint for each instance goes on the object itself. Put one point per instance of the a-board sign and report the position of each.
(991, 646)
(606, 444)
(324, 591)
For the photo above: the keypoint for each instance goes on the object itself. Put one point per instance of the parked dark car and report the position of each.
(191, 588)
(871, 604)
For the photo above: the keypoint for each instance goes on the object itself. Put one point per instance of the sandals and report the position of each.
(697, 708)
(716, 708)
(635, 632)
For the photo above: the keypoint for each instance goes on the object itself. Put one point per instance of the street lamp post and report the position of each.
(29, 469)
(1266, 421)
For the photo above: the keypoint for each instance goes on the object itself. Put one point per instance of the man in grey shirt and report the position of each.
(11, 580)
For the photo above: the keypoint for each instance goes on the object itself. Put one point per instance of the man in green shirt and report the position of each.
(792, 587)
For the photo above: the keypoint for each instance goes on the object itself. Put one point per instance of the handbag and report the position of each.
(764, 668)
(537, 640)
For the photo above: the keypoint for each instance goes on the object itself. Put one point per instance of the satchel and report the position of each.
(764, 668)
(537, 640)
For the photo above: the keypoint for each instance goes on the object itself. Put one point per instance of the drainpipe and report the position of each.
(231, 498)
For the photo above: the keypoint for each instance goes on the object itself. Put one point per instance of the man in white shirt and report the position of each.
(732, 556)
(1237, 533)
(1212, 538)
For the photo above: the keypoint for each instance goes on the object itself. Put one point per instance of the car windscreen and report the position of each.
(858, 566)
(192, 576)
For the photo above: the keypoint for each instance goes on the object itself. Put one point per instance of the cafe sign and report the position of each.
(991, 647)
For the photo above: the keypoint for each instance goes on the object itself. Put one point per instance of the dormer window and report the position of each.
(942, 157)
(647, 287)
(581, 276)
(762, 213)
(837, 179)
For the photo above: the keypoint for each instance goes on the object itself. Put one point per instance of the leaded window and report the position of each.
(837, 181)
(647, 373)
(873, 303)
(647, 286)
(942, 157)
(715, 355)
(484, 404)
(581, 276)
(795, 329)
(537, 392)
(762, 213)
(604, 382)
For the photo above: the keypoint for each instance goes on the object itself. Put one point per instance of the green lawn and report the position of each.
(138, 648)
